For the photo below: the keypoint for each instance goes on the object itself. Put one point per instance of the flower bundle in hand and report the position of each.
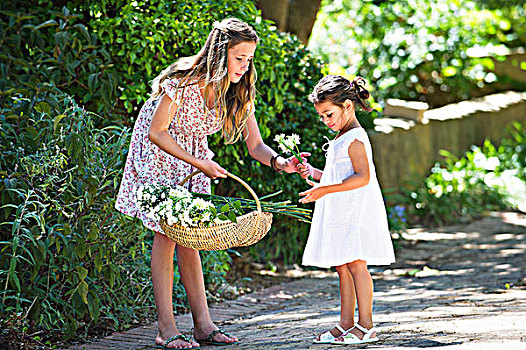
(289, 144)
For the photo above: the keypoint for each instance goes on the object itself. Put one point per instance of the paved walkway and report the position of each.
(456, 287)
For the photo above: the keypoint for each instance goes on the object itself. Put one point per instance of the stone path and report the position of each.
(456, 287)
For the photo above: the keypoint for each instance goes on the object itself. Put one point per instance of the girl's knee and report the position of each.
(357, 266)
(342, 269)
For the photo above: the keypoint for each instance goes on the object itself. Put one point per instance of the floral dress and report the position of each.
(147, 163)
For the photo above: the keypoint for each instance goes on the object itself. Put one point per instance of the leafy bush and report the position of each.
(64, 247)
(487, 178)
(421, 50)
(54, 49)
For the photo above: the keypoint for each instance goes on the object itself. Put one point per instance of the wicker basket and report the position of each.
(249, 229)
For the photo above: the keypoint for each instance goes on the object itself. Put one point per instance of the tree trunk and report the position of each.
(293, 16)
(301, 17)
(276, 10)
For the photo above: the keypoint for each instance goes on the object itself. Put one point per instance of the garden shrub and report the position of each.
(41, 49)
(70, 263)
(485, 178)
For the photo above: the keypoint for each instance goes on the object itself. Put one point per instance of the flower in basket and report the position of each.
(175, 205)
(289, 144)
(204, 215)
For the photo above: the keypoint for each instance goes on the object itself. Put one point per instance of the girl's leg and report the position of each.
(363, 284)
(347, 300)
(347, 297)
(162, 278)
(191, 272)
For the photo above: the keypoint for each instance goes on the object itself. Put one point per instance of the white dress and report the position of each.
(349, 225)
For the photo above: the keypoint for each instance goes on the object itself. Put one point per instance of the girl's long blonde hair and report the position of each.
(233, 103)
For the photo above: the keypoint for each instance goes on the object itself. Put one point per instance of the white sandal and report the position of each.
(351, 339)
(328, 338)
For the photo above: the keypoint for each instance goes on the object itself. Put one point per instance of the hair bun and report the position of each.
(359, 84)
(363, 93)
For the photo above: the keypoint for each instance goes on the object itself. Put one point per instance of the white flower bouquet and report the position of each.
(175, 205)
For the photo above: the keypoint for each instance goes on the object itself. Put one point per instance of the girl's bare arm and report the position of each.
(359, 179)
(159, 135)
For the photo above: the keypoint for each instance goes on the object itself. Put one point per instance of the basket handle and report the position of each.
(241, 181)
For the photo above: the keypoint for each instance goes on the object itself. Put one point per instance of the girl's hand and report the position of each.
(212, 169)
(315, 193)
(305, 170)
(291, 163)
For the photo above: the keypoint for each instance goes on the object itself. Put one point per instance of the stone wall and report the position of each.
(406, 149)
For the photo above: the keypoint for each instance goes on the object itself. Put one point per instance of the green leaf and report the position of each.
(98, 262)
(232, 217)
(49, 23)
(82, 272)
(93, 307)
(83, 30)
(15, 279)
(93, 232)
(225, 208)
(83, 290)
(57, 120)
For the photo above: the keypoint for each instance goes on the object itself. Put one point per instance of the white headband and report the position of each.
(217, 26)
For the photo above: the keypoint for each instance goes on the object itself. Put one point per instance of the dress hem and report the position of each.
(347, 261)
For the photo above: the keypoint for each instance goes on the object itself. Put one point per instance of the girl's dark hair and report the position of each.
(336, 89)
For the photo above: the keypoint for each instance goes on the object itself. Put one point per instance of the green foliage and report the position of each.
(53, 49)
(434, 50)
(487, 178)
(65, 250)
(68, 260)
(144, 37)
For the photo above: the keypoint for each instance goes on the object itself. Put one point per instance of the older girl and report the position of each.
(194, 97)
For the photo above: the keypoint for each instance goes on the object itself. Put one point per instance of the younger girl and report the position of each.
(349, 226)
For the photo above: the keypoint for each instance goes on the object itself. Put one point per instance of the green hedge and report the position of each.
(68, 260)
(71, 82)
